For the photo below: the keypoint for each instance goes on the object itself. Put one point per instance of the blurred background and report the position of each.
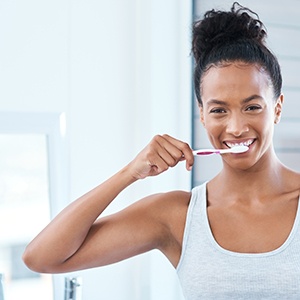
(84, 85)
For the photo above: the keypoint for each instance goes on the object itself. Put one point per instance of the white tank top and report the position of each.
(208, 271)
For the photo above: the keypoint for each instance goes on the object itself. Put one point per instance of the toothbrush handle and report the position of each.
(205, 152)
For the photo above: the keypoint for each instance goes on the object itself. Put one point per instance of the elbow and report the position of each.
(41, 262)
(30, 260)
(34, 262)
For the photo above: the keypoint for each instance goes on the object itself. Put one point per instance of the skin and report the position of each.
(252, 202)
(254, 190)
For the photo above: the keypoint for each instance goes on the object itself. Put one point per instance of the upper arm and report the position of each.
(139, 228)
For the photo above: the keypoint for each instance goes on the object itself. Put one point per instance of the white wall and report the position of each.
(121, 72)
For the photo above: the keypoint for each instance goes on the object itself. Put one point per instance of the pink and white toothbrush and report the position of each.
(235, 149)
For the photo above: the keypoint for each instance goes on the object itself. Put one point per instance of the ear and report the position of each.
(278, 109)
(201, 115)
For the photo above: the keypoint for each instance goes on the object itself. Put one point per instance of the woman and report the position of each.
(236, 236)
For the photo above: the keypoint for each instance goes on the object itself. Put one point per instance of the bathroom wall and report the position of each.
(121, 72)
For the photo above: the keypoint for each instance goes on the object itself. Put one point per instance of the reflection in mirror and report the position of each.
(24, 211)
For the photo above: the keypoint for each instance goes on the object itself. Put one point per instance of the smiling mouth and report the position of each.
(244, 143)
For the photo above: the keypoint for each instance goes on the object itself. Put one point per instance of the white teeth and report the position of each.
(247, 143)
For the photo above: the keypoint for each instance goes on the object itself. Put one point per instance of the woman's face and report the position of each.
(239, 108)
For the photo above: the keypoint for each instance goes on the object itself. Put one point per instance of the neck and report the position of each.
(264, 178)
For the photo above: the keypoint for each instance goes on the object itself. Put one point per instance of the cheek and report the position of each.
(264, 123)
(214, 131)
(267, 128)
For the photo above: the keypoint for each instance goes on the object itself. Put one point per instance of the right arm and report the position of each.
(78, 239)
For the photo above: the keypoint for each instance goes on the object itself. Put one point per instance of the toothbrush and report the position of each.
(235, 149)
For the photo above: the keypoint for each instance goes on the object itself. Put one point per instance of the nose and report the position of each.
(237, 125)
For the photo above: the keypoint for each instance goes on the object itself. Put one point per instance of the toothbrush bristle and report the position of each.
(239, 149)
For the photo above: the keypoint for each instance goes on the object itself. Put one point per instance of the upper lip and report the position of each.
(244, 142)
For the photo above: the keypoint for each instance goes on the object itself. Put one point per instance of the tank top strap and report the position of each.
(195, 218)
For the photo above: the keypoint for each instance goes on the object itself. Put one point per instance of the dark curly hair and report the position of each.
(237, 35)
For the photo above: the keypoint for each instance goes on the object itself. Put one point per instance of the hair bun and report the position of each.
(219, 28)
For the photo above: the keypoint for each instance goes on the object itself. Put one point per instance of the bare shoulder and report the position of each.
(297, 181)
(161, 215)
(166, 206)
(292, 179)
(174, 199)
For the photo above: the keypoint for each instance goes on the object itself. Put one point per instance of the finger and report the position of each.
(157, 164)
(167, 153)
(170, 156)
(167, 150)
(180, 151)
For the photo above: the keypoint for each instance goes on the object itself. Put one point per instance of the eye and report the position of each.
(253, 108)
(217, 110)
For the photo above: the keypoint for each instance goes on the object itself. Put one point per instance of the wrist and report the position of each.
(128, 174)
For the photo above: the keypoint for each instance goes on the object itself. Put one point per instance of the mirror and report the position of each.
(24, 211)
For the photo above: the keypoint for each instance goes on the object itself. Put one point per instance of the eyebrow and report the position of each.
(246, 100)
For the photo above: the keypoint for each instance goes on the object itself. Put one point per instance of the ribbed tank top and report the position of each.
(208, 271)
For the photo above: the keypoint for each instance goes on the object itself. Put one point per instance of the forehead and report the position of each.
(235, 80)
